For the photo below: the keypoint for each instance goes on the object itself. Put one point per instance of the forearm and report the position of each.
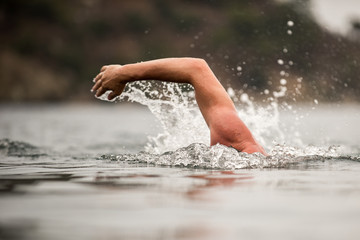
(209, 92)
(179, 70)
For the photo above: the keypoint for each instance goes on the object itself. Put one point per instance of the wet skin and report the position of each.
(215, 105)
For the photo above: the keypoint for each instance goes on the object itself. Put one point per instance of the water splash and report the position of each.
(198, 155)
(175, 108)
(185, 138)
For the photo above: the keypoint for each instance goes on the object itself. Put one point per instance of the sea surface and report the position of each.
(122, 171)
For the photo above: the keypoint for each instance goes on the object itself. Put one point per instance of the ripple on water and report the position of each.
(19, 149)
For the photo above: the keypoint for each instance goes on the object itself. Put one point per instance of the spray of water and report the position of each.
(175, 108)
(185, 138)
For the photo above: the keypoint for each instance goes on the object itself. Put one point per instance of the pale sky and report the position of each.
(335, 15)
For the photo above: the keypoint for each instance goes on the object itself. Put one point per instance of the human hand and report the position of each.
(109, 79)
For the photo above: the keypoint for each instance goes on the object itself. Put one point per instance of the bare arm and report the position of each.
(209, 92)
(215, 105)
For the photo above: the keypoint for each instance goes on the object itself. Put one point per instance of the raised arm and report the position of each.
(215, 105)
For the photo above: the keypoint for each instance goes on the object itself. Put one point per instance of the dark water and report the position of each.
(77, 172)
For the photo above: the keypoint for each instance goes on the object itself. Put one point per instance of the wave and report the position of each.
(19, 149)
(198, 155)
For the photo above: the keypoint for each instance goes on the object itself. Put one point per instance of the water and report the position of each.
(122, 171)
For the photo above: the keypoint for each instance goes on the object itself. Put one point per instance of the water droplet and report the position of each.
(266, 91)
(290, 23)
(283, 81)
(231, 92)
(285, 50)
(244, 97)
(289, 32)
(316, 101)
(239, 68)
(291, 63)
(282, 73)
(280, 61)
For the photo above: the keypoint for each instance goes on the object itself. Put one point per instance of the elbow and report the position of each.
(198, 68)
(199, 64)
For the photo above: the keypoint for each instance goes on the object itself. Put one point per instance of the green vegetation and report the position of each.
(63, 43)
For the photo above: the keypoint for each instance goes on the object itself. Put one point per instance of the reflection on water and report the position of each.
(217, 179)
(54, 184)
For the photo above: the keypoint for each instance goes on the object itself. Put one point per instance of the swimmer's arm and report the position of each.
(215, 105)
(210, 94)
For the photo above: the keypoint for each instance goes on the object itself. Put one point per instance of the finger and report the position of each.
(100, 91)
(96, 86)
(98, 77)
(112, 95)
(117, 92)
(103, 68)
(122, 87)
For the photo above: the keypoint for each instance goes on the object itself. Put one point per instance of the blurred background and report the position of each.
(51, 50)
